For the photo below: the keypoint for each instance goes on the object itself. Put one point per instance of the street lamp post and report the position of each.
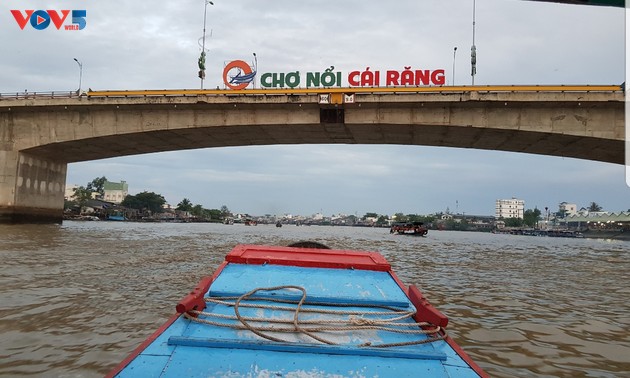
(255, 68)
(202, 58)
(473, 49)
(80, 74)
(454, 52)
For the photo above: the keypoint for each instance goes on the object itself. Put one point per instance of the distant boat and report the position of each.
(302, 312)
(116, 217)
(278, 224)
(415, 228)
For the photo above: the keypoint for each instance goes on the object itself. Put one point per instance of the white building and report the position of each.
(567, 209)
(509, 208)
(69, 192)
(115, 192)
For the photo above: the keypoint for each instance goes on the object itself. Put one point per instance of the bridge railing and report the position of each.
(354, 90)
(32, 95)
(296, 91)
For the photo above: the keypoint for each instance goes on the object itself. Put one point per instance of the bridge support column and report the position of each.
(31, 188)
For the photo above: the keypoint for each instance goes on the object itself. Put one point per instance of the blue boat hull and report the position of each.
(301, 312)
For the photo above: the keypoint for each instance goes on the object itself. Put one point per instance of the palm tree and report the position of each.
(185, 205)
(594, 207)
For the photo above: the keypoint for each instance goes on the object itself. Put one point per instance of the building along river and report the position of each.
(76, 298)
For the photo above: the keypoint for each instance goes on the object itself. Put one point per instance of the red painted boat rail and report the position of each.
(425, 312)
(195, 299)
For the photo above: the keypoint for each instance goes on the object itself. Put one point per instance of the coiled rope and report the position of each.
(352, 320)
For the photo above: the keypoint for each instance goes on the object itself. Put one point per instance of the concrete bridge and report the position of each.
(41, 134)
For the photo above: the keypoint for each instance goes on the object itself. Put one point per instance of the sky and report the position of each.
(156, 44)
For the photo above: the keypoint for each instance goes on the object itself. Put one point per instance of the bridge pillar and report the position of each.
(31, 188)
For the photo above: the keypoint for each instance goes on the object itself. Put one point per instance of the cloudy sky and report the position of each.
(155, 45)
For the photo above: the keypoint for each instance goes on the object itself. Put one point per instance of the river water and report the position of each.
(77, 298)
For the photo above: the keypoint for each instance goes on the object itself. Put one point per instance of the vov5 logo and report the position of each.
(41, 19)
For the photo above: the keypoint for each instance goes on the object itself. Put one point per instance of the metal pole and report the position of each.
(454, 51)
(203, 43)
(80, 74)
(473, 49)
(255, 69)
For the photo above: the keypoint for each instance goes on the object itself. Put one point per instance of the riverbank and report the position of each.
(607, 234)
(584, 234)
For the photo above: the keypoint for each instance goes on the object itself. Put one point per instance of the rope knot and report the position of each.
(360, 321)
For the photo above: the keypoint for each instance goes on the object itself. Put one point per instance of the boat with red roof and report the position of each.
(413, 228)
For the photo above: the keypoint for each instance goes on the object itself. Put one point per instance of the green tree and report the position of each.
(132, 202)
(185, 205)
(420, 218)
(82, 195)
(145, 201)
(370, 215)
(531, 217)
(197, 211)
(513, 222)
(97, 185)
(382, 220)
(594, 207)
(225, 212)
(215, 214)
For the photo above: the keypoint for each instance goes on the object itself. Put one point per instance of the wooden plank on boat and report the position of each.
(340, 284)
(308, 257)
(305, 348)
(316, 300)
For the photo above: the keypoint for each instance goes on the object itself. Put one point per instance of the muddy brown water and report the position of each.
(77, 298)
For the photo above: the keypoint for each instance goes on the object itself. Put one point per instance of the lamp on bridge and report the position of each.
(80, 74)
(255, 69)
(202, 58)
(473, 48)
(454, 52)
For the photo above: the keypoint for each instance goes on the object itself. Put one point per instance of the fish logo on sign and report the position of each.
(238, 74)
(41, 19)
